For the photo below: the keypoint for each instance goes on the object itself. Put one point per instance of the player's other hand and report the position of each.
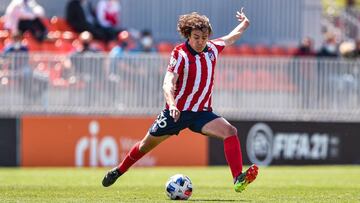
(240, 15)
(174, 112)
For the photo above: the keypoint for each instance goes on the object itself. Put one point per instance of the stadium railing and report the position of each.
(276, 88)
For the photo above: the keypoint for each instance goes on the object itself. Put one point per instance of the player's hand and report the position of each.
(174, 112)
(240, 15)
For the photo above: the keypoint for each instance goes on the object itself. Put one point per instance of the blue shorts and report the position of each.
(165, 125)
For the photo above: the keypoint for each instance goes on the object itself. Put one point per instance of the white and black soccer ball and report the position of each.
(178, 187)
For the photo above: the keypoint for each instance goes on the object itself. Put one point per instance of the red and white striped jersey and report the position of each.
(196, 75)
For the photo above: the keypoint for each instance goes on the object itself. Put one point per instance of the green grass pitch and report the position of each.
(211, 184)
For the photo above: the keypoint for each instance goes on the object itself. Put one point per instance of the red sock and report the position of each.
(131, 157)
(233, 154)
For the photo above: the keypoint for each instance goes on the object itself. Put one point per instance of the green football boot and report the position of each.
(244, 179)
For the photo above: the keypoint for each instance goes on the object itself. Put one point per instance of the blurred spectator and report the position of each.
(83, 46)
(18, 57)
(16, 45)
(146, 42)
(80, 16)
(304, 74)
(108, 13)
(329, 48)
(124, 43)
(306, 48)
(31, 79)
(86, 43)
(24, 15)
(347, 49)
(87, 67)
(357, 48)
(123, 46)
(350, 3)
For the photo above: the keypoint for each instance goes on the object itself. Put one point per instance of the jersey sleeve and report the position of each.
(219, 44)
(176, 62)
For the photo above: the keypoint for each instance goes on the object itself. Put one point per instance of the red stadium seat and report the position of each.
(69, 35)
(2, 23)
(231, 50)
(246, 50)
(48, 46)
(1, 46)
(99, 45)
(46, 22)
(4, 34)
(7, 41)
(278, 51)
(64, 46)
(262, 50)
(31, 42)
(54, 35)
(291, 51)
(59, 24)
(165, 47)
(111, 45)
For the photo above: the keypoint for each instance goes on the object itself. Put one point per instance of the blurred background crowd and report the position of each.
(84, 26)
(98, 25)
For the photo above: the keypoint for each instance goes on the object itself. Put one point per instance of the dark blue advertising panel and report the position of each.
(8, 142)
(293, 143)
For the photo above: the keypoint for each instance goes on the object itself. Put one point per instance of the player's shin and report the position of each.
(131, 158)
(233, 155)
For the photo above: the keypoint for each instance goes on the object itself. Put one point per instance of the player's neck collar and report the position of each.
(192, 51)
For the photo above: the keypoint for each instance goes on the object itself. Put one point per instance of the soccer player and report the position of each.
(187, 88)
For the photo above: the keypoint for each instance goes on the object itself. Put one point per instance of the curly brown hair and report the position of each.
(193, 21)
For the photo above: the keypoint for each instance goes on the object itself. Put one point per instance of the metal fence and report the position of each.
(246, 88)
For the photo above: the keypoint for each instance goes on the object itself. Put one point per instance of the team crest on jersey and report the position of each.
(173, 61)
(211, 55)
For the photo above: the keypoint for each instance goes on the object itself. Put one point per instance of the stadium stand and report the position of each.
(165, 47)
(231, 50)
(246, 50)
(278, 51)
(262, 50)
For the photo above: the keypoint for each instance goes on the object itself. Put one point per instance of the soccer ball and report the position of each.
(178, 187)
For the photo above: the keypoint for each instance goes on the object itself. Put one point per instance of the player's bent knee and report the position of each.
(228, 132)
(231, 130)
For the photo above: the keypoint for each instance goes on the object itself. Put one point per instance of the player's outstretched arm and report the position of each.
(234, 35)
(169, 92)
